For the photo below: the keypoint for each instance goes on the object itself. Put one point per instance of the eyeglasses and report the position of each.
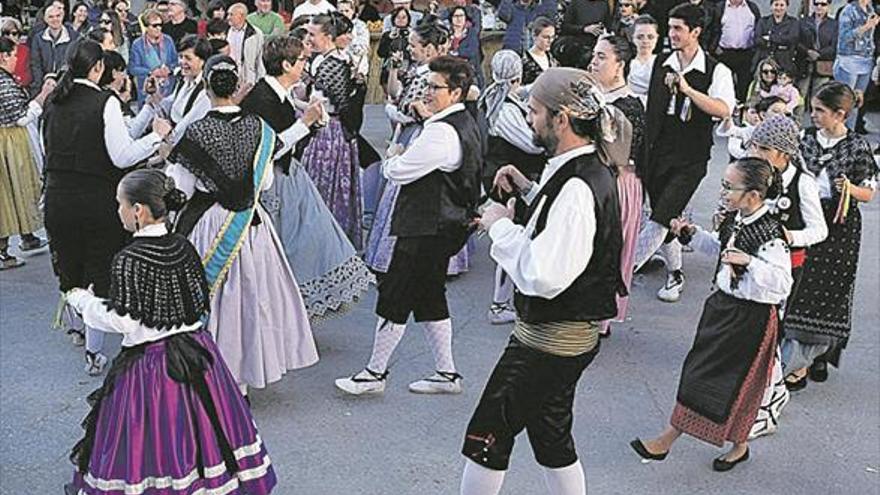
(434, 87)
(624, 5)
(728, 187)
(105, 21)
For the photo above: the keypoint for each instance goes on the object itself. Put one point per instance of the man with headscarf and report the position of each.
(799, 210)
(509, 140)
(565, 263)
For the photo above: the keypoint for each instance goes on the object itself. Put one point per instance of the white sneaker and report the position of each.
(501, 314)
(671, 292)
(365, 382)
(441, 382)
(95, 363)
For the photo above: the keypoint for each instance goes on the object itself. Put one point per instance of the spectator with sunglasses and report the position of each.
(624, 20)
(153, 58)
(817, 48)
(11, 28)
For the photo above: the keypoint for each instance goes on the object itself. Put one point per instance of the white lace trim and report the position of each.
(337, 289)
(185, 482)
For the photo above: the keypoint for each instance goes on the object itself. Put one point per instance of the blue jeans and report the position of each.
(855, 72)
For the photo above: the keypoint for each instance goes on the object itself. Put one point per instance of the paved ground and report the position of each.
(401, 444)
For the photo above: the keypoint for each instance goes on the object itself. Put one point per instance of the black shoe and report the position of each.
(640, 449)
(69, 489)
(721, 465)
(819, 371)
(796, 385)
(605, 334)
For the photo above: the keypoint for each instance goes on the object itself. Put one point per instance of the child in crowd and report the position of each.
(785, 89)
(739, 135)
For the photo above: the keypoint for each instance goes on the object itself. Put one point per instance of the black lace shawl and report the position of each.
(334, 79)
(13, 100)
(219, 150)
(851, 156)
(160, 282)
(634, 111)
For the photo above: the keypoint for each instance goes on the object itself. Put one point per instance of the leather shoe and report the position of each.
(640, 449)
(721, 465)
(819, 371)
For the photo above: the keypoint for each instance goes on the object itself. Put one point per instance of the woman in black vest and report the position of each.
(799, 211)
(727, 368)
(87, 149)
(819, 317)
(509, 140)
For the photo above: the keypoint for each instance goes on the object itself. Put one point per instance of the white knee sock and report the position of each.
(650, 239)
(569, 480)
(479, 480)
(671, 252)
(387, 337)
(439, 335)
(503, 287)
(94, 339)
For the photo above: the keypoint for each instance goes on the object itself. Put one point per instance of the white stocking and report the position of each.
(569, 480)
(503, 287)
(387, 337)
(479, 480)
(439, 335)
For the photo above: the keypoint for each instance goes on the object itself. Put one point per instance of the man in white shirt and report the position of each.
(686, 94)
(245, 45)
(565, 264)
(439, 175)
(311, 8)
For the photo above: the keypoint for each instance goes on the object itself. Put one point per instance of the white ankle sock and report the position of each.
(649, 241)
(94, 339)
(503, 287)
(387, 337)
(439, 335)
(569, 480)
(479, 480)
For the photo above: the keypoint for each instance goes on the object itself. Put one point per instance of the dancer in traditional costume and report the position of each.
(565, 265)
(439, 177)
(509, 140)
(611, 57)
(88, 146)
(427, 42)
(730, 362)
(799, 210)
(223, 163)
(330, 274)
(819, 319)
(19, 173)
(331, 157)
(688, 90)
(169, 418)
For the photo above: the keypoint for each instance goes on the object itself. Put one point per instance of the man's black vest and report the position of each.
(690, 139)
(788, 205)
(592, 295)
(443, 203)
(74, 134)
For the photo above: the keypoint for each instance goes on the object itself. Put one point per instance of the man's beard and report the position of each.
(546, 140)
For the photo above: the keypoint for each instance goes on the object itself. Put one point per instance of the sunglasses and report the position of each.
(820, 4)
(155, 25)
(105, 21)
(11, 33)
(768, 71)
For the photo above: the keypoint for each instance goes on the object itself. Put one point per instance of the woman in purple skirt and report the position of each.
(331, 157)
(169, 418)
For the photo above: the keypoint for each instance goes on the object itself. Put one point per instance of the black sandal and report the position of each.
(796, 385)
(819, 371)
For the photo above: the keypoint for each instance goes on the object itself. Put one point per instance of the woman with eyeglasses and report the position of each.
(153, 58)
(645, 36)
(625, 18)
(11, 28)
(766, 76)
(538, 58)
(407, 113)
(817, 49)
(819, 319)
(464, 41)
(725, 372)
(19, 169)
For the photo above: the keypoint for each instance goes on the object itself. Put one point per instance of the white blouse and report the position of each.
(767, 278)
